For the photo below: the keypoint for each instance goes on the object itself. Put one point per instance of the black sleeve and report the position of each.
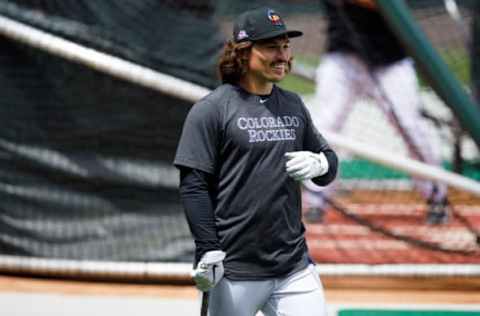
(195, 188)
(315, 142)
(332, 169)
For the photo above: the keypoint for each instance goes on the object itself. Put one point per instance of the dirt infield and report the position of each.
(339, 290)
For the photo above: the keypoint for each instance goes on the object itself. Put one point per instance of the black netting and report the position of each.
(85, 158)
(85, 163)
(150, 33)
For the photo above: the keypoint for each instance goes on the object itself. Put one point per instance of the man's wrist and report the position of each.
(204, 246)
(323, 166)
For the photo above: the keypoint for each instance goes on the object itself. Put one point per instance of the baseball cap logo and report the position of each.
(242, 34)
(274, 17)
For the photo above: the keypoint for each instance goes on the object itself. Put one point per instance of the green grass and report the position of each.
(307, 60)
(298, 85)
(459, 64)
(457, 61)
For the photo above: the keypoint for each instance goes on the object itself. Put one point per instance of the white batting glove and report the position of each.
(305, 165)
(209, 270)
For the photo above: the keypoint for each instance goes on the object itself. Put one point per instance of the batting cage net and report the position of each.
(87, 156)
(94, 95)
(410, 218)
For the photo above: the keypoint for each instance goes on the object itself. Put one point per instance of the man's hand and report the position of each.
(305, 165)
(209, 270)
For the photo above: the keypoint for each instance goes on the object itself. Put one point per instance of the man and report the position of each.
(243, 151)
(364, 58)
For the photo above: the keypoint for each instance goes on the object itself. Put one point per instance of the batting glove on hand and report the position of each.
(305, 165)
(209, 270)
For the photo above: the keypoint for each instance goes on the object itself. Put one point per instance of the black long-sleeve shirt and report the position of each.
(195, 188)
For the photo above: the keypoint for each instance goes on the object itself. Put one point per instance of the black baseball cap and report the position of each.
(260, 24)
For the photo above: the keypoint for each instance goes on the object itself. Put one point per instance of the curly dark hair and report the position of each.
(233, 62)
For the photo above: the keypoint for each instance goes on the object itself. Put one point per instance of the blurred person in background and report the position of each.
(243, 152)
(364, 59)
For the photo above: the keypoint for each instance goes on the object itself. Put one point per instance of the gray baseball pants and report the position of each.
(300, 294)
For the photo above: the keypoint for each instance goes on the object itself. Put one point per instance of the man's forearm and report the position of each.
(328, 177)
(194, 192)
